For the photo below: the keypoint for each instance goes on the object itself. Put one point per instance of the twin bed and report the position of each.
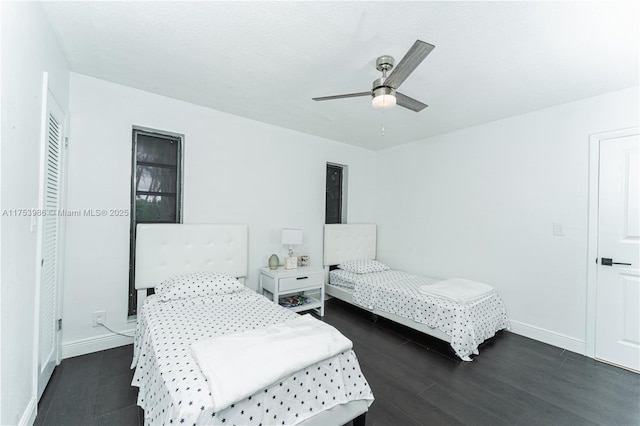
(398, 295)
(174, 388)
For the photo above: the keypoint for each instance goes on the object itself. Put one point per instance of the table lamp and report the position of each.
(291, 237)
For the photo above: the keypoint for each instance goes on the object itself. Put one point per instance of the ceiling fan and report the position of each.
(383, 93)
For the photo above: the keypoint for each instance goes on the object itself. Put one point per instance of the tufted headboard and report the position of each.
(347, 242)
(164, 250)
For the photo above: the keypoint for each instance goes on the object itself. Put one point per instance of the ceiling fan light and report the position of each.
(383, 98)
(383, 102)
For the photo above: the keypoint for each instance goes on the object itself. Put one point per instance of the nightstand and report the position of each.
(305, 280)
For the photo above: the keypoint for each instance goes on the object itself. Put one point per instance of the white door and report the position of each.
(49, 246)
(618, 277)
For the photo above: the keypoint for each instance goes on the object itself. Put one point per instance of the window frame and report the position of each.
(343, 190)
(160, 134)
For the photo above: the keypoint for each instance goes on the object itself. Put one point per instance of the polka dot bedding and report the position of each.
(363, 266)
(197, 284)
(347, 279)
(342, 278)
(398, 293)
(173, 390)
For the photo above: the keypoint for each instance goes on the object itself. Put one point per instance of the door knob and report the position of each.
(609, 262)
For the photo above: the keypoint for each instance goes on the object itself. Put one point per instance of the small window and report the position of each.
(156, 188)
(335, 194)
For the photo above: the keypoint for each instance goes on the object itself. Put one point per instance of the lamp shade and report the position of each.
(291, 237)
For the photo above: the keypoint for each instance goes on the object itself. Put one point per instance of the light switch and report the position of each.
(557, 229)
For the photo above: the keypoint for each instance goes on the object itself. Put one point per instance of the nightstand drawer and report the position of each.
(302, 281)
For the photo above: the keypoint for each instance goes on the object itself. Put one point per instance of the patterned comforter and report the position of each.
(398, 293)
(173, 390)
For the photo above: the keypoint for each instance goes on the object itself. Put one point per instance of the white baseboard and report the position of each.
(551, 337)
(29, 415)
(95, 344)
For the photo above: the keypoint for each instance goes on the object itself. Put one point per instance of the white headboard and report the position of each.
(347, 242)
(166, 249)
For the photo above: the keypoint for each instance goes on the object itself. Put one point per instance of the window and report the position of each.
(335, 193)
(156, 188)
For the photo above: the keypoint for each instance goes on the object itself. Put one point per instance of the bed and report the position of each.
(173, 386)
(396, 295)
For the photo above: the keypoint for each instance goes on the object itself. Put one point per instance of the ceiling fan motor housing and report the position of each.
(382, 90)
(385, 63)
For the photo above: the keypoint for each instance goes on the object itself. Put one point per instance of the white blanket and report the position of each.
(457, 289)
(237, 365)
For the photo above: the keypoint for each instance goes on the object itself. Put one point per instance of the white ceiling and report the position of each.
(266, 60)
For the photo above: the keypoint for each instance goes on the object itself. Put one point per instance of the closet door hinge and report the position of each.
(59, 324)
(66, 141)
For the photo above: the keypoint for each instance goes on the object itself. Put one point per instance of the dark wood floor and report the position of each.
(416, 380)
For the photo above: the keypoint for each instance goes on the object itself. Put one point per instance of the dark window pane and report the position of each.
(156, 189)
(156, 179)
(152, 149)
(155, 208)
(333, 203)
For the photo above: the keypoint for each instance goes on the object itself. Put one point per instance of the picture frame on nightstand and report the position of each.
(303, 260)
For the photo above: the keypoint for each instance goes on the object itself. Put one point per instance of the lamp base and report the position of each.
(290, 262)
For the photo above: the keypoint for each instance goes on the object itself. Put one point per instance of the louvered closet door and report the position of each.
(50, 243)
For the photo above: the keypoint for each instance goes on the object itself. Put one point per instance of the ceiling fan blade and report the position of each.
(348, 95)
(410, 62)
(409, 103)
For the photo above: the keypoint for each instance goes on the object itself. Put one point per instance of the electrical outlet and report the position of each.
(99, 317)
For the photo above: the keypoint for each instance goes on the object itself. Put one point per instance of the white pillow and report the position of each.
(197, 284)
(363, 266)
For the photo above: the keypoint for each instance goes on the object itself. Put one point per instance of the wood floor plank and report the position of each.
(384, 413)
(115, 393)
(550, 383)
(413, 405)
(129, 416)
(462, 407)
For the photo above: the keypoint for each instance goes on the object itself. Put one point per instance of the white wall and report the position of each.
(235, 171)
(480, 203)
(28, 49)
